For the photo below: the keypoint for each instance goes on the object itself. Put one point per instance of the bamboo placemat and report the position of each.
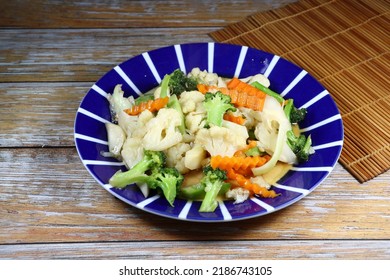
(345, 45)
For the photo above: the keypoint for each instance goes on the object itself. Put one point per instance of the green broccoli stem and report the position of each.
(134, 175)
(216, 116)
(174, 104)
(197, 191)
(164, 86)
(209, 203)
(268, 91)
(193, 192)
(288, 108)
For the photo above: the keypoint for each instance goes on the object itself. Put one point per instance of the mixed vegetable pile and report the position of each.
(204, 137)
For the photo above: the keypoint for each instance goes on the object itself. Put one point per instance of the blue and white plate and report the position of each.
(145, 71)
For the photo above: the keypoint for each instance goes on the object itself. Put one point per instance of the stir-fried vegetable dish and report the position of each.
(198, 136)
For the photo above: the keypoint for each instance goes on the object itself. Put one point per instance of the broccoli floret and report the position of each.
(216, 105)
(213, 180)
(297, 115)
(152, 171)
(294, 115)
(151, 160)
(303, 154)
(169, 180)
(179, 82)
(300, 145)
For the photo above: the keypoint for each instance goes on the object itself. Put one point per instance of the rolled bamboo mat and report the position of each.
(345, 45)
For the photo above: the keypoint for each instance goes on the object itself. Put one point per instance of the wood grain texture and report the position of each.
(48, 196)
(39, 114)
(199, 250)
(47, 55)
(128, 14)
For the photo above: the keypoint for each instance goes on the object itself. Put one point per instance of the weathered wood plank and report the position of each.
(39, 114)
(200, 250)
(71, 55)
(128, 14)
(47, 196)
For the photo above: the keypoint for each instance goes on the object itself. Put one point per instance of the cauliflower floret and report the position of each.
(195, 121)
(220, 141)
(194, 157)
(238, 194)
(134, 126)
(176, 156)
(140, 130)
(127, 123)
(162, 131)
(204, 77)
(252, 117)
(237, 129)
(189, 101)
(132, 151)
(221, 83)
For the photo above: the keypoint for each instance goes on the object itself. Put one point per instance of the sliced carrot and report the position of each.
(241, 86)
(247, 184)
(237, 163)
(232, 118)
(249, 97)
(151, 105)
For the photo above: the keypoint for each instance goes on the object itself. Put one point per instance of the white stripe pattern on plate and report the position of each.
(225, 213)
(127, 79)
(102, 162)
(100, 91)
(107, 187)
(266, 206)
(92, 115)
(328, 145)
(90, 139)
(321, 123)
(294, 82)
(315, 99)
(312, 169)
(180, 58)
(271, 65)
(152, 68)
(292, 189)
(147, 201)
(184, 212)
(210, 57)
(240, 61)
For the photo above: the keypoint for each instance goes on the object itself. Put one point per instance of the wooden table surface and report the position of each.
(51, 53)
